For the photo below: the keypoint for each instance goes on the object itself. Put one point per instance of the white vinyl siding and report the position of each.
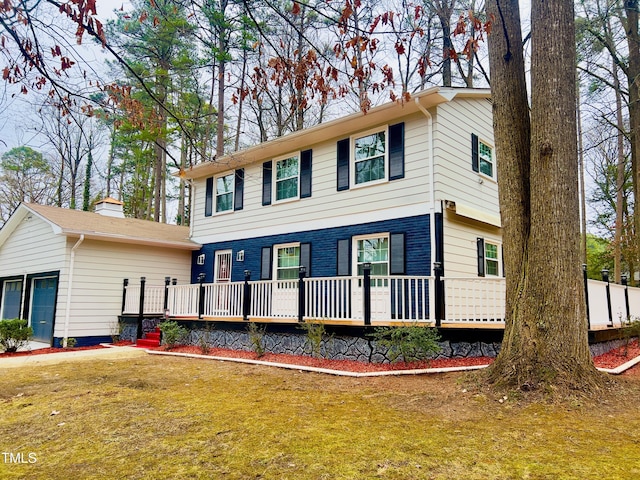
(101, 267)
(409, 195)
(455, 179)
(460, 245)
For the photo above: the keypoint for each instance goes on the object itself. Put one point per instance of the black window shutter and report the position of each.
(396, 151)
(265, 263)
(480, 243)
(343, 164)
(238, 191)
(343, 256)
(305, 173)
(305, 257)
(266, 183)
(397, 263)
(208, 203)
(475, 160)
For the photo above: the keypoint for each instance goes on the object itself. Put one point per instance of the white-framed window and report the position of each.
(286, 262)
(287, 178)
(491, 259)
(485, 158)
(369, 159)
(372, 249)
(224, 189)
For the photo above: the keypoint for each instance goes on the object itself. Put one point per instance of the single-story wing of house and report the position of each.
(63, 269)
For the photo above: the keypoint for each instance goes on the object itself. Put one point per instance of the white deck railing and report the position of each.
(474, 299)
(393, 299)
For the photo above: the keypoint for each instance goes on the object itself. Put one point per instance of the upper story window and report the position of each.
(482, 157)
(287, 178)
(486, 159)
(224, 192)
(369, 157)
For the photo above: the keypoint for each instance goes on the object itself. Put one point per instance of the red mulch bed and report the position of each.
(344, 365)
(42, 351)
(618, 356)
(611, 359)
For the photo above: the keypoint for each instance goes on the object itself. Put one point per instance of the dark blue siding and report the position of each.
(323, 247)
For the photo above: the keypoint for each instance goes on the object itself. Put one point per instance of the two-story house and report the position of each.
(392, 191)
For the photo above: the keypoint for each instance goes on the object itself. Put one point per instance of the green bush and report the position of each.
(408, 342)
(14, 334)
(256, 337)
(314, 332)
(172, 333)
(71, 342)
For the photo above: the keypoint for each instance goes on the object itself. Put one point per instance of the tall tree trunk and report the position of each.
(633, 79)
(86, 194)
(545, 339)
(617, 241)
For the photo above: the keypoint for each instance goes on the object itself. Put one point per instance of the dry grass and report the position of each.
(157, 418)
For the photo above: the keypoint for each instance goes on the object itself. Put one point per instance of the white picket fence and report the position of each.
(393, 298)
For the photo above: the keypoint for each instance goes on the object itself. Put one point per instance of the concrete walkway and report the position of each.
(114, 353)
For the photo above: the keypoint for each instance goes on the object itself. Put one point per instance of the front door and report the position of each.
(43, 303)
(220, 295)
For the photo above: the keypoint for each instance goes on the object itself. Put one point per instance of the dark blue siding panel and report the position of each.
(324, 245)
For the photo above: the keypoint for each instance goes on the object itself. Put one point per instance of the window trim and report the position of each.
(352, 156)
(274, 178)
(496, 259)
(275, 270)
(214, 206)
(354, 249)
(481, 159)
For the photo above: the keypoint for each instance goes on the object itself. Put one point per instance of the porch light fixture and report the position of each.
(200, 259)
(240, 256)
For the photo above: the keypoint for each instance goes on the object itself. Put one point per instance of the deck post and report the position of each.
(167, 282)
(623, 280)
(143, 281)
(586, 293)
(201, 278)
(302, 272)
(125, 284)
(439, 293)
(366, 284)
(246, 303)
(605, 278)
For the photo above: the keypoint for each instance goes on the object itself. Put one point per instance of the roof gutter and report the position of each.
(67, 313)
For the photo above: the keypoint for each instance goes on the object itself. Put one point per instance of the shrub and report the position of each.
(71, 342)
(409, 342)
(256, 338)
(14, 334)
(172, 333)
(315, 333)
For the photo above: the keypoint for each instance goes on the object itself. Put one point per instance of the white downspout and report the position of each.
(432, 200)
(432, 189)
(67, 313)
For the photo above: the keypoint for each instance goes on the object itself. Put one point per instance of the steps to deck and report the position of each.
(150, 340)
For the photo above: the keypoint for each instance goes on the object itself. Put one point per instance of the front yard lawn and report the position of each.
(176, 418)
